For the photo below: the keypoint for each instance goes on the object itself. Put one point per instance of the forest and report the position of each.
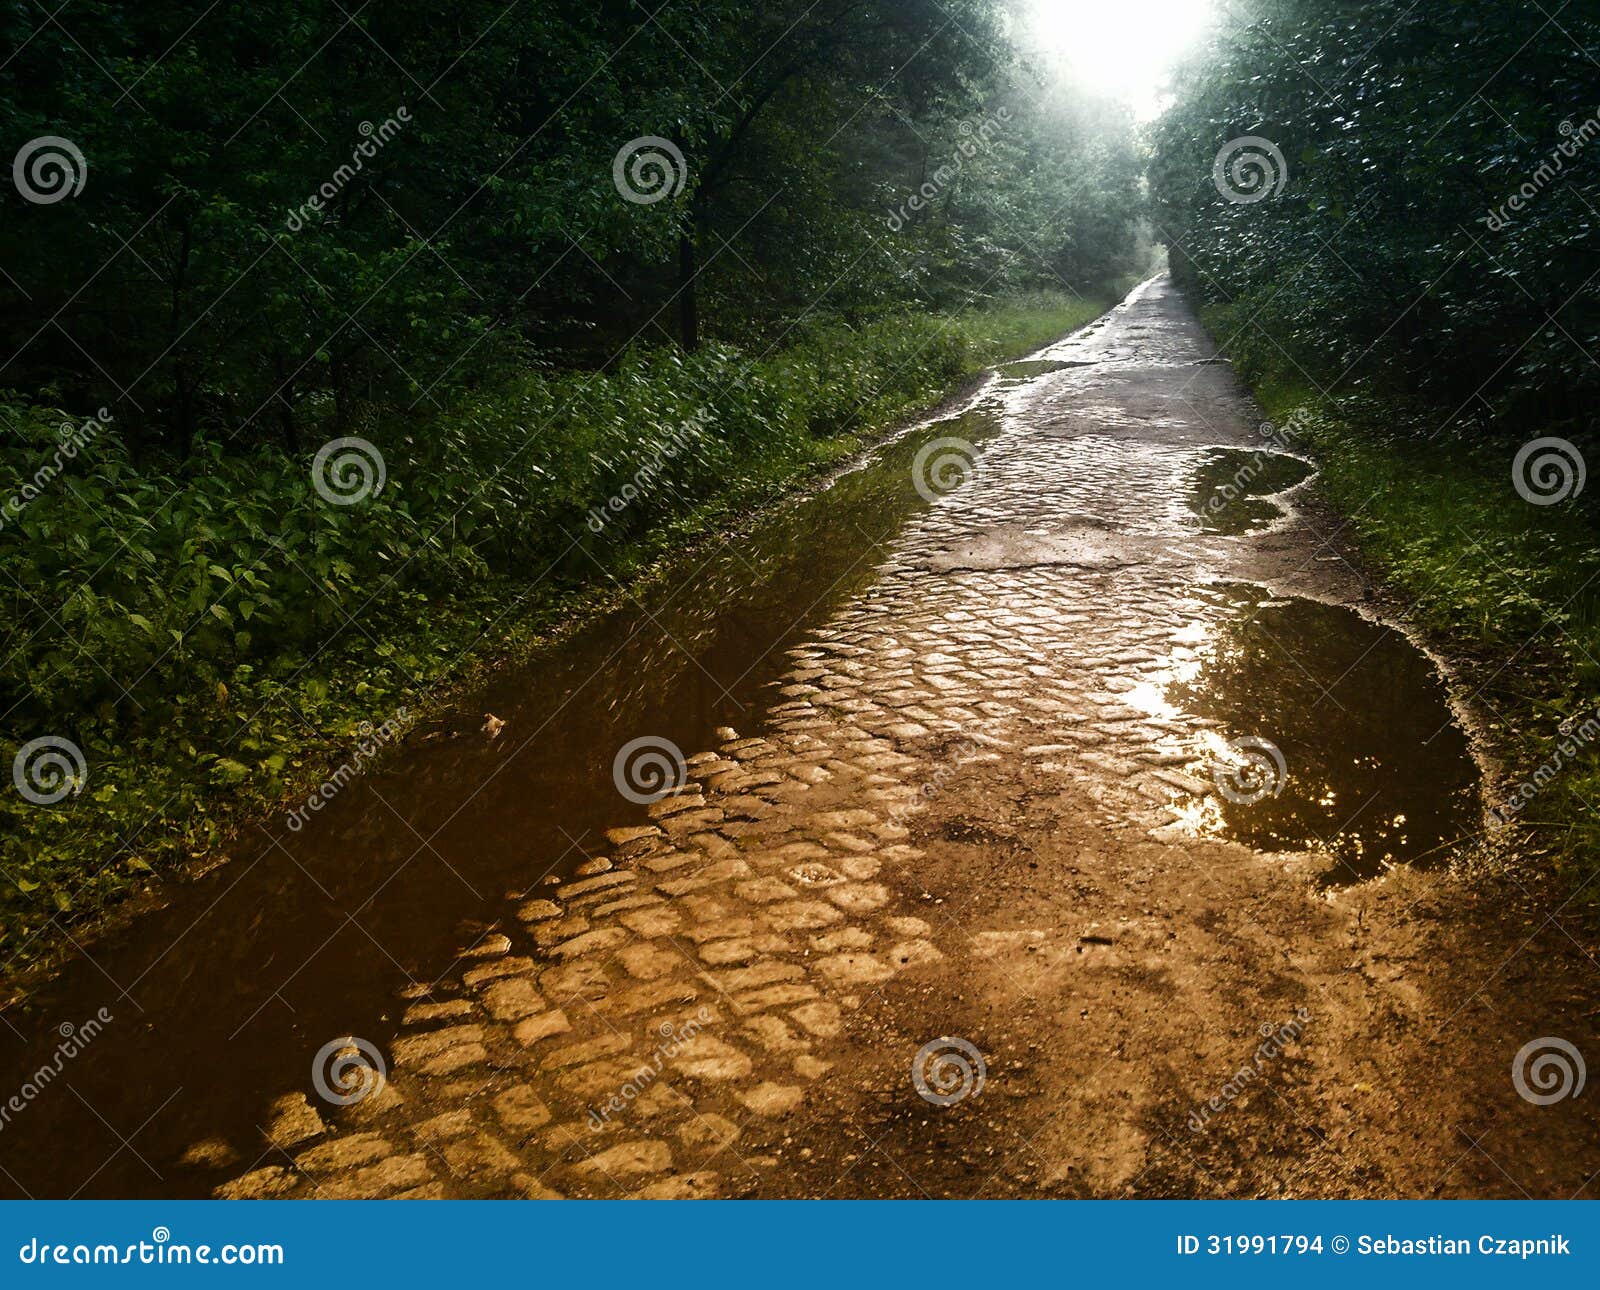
(675, 599)
(467, 270)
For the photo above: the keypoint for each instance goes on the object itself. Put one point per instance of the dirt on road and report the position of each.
(1105, 843)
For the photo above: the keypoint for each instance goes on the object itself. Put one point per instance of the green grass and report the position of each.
(213, 635)
(1509, 589)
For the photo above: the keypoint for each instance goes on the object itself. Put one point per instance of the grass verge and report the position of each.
(198, 641)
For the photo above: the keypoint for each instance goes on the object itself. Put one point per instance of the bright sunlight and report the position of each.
(1123, 49)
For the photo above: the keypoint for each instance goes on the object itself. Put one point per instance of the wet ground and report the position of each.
(1028, 781)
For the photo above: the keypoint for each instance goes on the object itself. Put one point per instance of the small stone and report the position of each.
(442, 1010)
(415, 1050)
(530, 1188)
(628, 1160)
(520, 1110)
(621, 837)
(293, 1121)
(516, 966)
(344, 1153)
(512, 999)
(913, 954)
(774, 996)
(859, 897)
(428, 1191)
(557, 930)
(773, 1099)
(822, 1019)
(760, 891)
(605, 882)
(448, 1125)
(706, 1058)
(211, 1153)
(647, 962)
(586, 980)
(751, 977)
(801, 915)
(597, 941)
(854, 969)
(708, 1132)
(259, 1184)
(479, 1154)
(534, 1029)
(696, 1186)
(650, 923)
(387, 1176)
(846, 938)
(774, 1035)
(587, 1051)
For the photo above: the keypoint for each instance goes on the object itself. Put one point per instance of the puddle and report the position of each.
(1233, 487)
(246, 973)
(1375, 769)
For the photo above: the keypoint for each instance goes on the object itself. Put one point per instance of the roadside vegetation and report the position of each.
(313, 407)
(1417, 300)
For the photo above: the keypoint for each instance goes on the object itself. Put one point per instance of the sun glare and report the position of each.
(1122, 48)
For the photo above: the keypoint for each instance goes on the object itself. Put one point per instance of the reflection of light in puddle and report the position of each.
(1150, 698)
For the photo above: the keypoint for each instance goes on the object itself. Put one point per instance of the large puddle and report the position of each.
(1323, 731)
(234, 986)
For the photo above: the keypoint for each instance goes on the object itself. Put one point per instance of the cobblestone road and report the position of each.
(968, 814)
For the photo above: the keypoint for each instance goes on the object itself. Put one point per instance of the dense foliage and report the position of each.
(1436, 229)
(293, 215)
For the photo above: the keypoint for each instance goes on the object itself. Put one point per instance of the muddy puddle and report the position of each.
(1323, 731)
(305, 937)
(1234, 488)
